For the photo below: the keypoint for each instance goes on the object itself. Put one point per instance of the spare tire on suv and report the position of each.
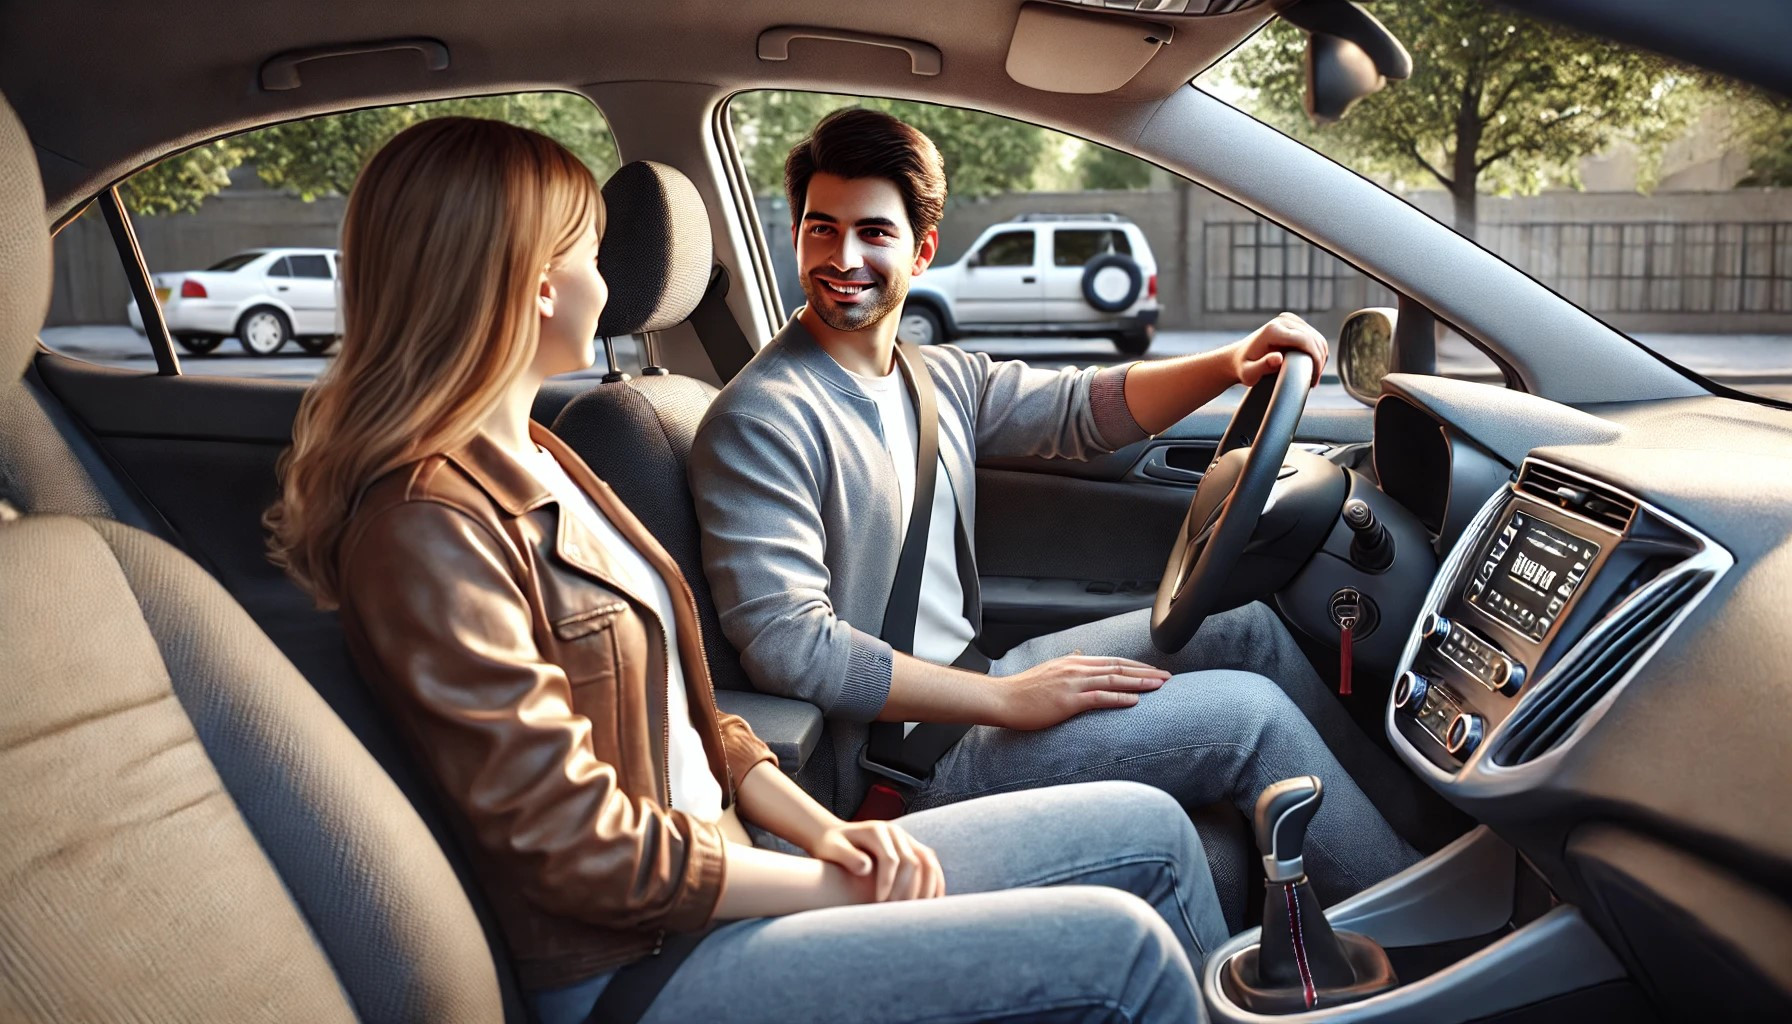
(1112, 282)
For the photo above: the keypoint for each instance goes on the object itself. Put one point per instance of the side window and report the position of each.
(203, 215)
(1008, 249)
(1073, 247)
(310, 266)
(1208, 270)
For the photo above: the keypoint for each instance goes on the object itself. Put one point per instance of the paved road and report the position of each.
(1758, 363)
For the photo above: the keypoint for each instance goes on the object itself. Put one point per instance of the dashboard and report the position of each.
(1601, 667)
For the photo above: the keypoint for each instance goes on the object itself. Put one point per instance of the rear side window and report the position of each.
(1073, 247)
(223, 206)
(1008, 249)
(309, 266)
(237, 262)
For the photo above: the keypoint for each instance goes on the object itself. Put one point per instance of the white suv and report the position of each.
(1077, 275)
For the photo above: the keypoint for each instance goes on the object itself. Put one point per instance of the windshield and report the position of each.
(1652, 195)
(236, 262)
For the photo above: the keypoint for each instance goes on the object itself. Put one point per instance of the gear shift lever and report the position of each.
(1301, 964)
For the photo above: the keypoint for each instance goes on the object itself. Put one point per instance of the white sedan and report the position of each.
(262, 297)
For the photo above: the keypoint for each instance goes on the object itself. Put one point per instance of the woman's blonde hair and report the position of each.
(448, 230)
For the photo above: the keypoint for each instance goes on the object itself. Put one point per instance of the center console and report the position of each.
(1560, 589)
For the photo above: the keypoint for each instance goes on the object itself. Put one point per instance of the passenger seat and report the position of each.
(187, 832)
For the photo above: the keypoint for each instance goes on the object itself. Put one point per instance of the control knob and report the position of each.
(1513, 678)
(1409, 691)
(1464, 734)
(1434, 626)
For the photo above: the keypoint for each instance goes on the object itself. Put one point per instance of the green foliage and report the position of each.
(1764, 127)
(984, 154)
(1496, 103)
(1111, 170)
(321, 156)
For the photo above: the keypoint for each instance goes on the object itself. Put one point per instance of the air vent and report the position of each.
(1541, 725)
(1553, 487)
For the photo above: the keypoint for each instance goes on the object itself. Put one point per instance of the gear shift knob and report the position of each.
(1284, 810)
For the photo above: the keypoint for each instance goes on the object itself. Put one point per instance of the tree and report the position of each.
(1764, 127)
(984, 154)
(321, 155)
(1111, 170)
(1496, 102)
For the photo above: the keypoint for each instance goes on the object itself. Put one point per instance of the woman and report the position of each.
(542, 654)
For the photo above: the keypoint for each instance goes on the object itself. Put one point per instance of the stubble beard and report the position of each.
(888, 296)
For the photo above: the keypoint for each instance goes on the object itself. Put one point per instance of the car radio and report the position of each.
(1514, 583)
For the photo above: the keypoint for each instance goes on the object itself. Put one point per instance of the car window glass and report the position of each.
(1008, 249)
(223, 205)
(1651, 195)
(1209, 270)
(236, 262)
(309, 266)
(1073, 247)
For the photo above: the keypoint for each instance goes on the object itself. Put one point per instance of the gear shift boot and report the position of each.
(1300, 963)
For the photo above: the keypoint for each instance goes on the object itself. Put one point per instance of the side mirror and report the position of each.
(1366, 352)
(1349, 55)
(975, 259)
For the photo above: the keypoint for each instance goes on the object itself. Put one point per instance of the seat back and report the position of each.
(637, 434)
(187, 832)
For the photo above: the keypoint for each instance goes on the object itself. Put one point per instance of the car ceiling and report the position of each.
(104, 88)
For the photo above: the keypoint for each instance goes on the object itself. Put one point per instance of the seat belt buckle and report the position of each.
(882, 803)
(895, 775)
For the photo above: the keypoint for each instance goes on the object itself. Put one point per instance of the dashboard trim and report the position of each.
(1480, 775)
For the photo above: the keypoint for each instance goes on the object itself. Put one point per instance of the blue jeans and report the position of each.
(1211, 734)
(1073, 904)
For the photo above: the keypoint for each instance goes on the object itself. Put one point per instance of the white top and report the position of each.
(941, 630)
(694, 788)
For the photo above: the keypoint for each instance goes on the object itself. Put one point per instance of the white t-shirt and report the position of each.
(941, 630)
(694, 788)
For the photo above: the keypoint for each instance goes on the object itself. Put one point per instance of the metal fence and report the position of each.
(1604, 267)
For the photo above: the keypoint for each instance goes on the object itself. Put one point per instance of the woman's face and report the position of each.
(571, 300)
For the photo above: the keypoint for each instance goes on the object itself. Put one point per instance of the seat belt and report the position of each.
(905, 760)
(723, 341)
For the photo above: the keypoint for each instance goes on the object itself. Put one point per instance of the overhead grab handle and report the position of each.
(281, 72)
(774, 44)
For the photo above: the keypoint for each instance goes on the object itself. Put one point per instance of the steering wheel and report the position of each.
(1231, 497)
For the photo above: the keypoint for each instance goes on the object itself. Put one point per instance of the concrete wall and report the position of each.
(1189, 229)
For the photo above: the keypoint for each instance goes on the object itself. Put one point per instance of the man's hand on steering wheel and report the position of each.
(1260, 354)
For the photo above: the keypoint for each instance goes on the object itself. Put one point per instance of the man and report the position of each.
(804, 474)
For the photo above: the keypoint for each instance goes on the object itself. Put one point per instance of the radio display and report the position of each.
(1529, 573)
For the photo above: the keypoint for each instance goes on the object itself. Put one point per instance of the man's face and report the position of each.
(856, 250)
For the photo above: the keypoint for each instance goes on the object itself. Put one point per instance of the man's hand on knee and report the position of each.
(1049, 693)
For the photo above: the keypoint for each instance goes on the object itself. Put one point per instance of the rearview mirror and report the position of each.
(1349, 55)
(1338, 74)
(1366, 352)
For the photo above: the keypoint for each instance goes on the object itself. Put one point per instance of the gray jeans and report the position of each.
(1074, 904)
(1212, 734)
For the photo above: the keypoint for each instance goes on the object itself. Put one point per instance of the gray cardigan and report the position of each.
(801, 513)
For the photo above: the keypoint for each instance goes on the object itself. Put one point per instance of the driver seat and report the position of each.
(637, 435)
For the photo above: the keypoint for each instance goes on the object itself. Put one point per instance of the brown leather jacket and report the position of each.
(534, 687)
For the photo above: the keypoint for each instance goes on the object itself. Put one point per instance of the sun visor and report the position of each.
(1061, 49)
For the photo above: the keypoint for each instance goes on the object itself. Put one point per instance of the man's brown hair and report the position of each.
(860, 143)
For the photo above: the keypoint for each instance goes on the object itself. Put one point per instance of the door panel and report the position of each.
(1062, 542)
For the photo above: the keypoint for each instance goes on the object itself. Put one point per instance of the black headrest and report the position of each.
(655, 254)
(25, 248)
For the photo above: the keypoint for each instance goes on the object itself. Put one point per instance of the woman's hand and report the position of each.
(1261, 353)
(893, 864)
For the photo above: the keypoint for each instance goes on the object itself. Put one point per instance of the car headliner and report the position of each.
(105, 88)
